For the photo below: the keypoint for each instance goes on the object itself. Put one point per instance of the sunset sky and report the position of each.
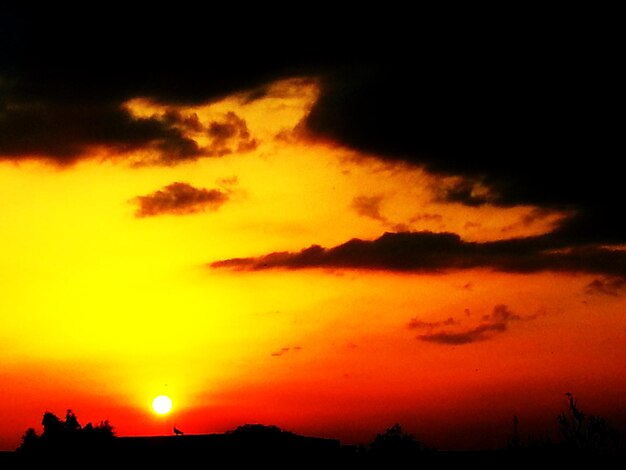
(425, 230)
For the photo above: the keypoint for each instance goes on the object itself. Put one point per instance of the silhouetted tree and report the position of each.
(63, 439)
(590, 434)
(30, 441)
(515, 441)
(104, 429)
(52, 425)
(71, 422)
(395, 445)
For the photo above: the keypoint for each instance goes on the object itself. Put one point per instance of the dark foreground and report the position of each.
(286, 450)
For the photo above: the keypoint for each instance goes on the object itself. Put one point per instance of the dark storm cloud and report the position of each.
(64, 79)
(527, 109)
(179, 199)
(491, 325)
(514, 118)
(532, 119)
(65, 132)
(435, 252)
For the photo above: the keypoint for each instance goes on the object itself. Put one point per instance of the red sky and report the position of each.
(328, 247)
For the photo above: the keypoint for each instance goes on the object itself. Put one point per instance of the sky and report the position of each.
(316, 226)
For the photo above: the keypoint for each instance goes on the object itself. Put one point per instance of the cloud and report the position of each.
(369, 206)
(465, 191)
(179, 199)
(283, 351)
(508, 118)
(65, 132)
(501, 313)
(426, 217)
(612, 286)
(228, 182)
(229, 135)
(518, 115)
(479, 333)
(534, 215)
(435, 252)
(416, 323)
(63, 84)
(484, 116)
(494, 324)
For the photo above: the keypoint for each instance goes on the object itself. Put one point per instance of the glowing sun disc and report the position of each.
(162, 404)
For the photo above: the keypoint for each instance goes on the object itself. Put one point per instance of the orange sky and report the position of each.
(110, 297)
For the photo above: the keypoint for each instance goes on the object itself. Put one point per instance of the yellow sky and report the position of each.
(101, 305)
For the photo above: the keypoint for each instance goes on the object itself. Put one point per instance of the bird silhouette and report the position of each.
(178, 432)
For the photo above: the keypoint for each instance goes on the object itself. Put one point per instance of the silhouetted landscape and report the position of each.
(359, 238)
(583, 439)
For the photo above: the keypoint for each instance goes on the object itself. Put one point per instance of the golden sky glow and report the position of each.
(108, 310)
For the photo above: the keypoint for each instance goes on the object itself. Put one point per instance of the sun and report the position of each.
(162, 404)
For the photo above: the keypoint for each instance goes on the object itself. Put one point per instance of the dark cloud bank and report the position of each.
(438, 252)
(526, 108)
(64, 78)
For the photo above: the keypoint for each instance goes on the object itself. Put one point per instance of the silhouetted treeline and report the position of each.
(584, 439)
(66, 438)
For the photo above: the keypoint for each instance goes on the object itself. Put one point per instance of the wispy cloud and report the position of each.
(612, 286)
(480, 333)
(369, 206)
(491, 325)
(223, 136)
(466, 191)
(285, 350)
(229, 135)
(416, 323)
(179, 199)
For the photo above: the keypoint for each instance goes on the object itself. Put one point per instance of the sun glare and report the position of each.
(162, 404)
